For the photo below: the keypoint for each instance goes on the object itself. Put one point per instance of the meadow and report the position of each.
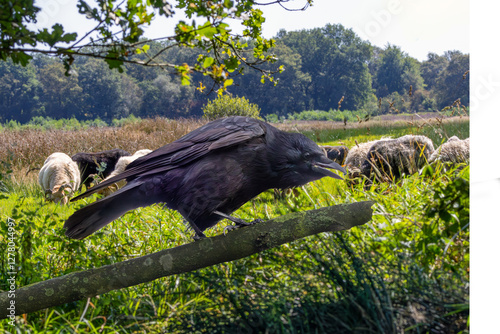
(405, 271)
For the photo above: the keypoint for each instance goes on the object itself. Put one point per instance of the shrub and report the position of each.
(130, 119)
(331, 115)
(395, 104)
(226, 105)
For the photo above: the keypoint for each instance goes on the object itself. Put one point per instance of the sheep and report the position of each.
(336, 153)
(453, 138)
(121, 164)
(89, 162)
(355, 158)
(59, 177)
(453, 152)
(390, 159)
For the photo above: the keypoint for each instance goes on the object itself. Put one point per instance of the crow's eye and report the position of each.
(307, 155)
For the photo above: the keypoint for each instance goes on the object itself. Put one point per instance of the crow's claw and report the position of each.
(229, 228)
(241, 223)
(244, 223)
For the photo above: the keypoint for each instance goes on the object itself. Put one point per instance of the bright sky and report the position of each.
(418, 27)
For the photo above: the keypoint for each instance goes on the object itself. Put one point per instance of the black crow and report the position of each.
(208, 174)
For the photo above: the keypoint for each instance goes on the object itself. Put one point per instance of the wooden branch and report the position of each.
(236, 244)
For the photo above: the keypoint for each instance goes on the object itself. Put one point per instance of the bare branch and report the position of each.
(280, 2)
(92, 55)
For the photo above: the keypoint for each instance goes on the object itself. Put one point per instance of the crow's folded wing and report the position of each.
(213, 136)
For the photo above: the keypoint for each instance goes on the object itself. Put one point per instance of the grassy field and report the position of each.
(405, 271)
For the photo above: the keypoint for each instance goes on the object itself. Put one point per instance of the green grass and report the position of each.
(437, 132)
(405, 270)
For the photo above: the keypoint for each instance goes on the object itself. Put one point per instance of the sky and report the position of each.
(418, 27)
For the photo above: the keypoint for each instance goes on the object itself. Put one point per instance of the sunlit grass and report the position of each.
(368, 278)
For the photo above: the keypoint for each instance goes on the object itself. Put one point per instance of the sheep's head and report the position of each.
(59, 194)
(112, 188)
(353, 172)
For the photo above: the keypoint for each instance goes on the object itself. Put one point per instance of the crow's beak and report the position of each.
(321, 167)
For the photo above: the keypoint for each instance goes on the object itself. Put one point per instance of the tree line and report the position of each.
(329, 68)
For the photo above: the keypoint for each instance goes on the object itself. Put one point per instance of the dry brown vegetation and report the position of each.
(27, 149)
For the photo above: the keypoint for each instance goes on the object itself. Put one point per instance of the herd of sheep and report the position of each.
(62, 175)
(389, 159)
(382, 160)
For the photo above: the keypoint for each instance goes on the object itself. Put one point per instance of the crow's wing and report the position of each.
(213, 136)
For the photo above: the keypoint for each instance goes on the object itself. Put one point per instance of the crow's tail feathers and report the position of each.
(93, 217)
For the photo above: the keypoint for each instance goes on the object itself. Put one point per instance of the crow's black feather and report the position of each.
(215, 168)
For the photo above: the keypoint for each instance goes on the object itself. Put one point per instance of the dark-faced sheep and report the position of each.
(336, 153)
(122, 163)
(355, 158)
(390, 159)
(59, 177)
(88, 163)
(453, 152)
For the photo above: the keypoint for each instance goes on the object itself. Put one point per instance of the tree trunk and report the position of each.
(206, 252)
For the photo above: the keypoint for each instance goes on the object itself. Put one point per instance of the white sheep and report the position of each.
(59, 177)
(454, 151)
(121, 164)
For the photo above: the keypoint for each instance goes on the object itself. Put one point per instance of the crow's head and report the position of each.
(299, 161)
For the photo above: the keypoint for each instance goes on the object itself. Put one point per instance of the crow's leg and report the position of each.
(239, 222)
(198, 234)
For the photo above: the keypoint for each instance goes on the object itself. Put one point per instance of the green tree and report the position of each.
(19, 89)
(374, 63)
(288, 95)
(394, 103)
(164, 96)
(423, 101)
(431, 68)
(336, 60)
(15, 33)
(119, 31)
(412, 79)
(61, 95)
(131, 97)
(453, 82)
(106, 94)
(397, 72)
(101, 91)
